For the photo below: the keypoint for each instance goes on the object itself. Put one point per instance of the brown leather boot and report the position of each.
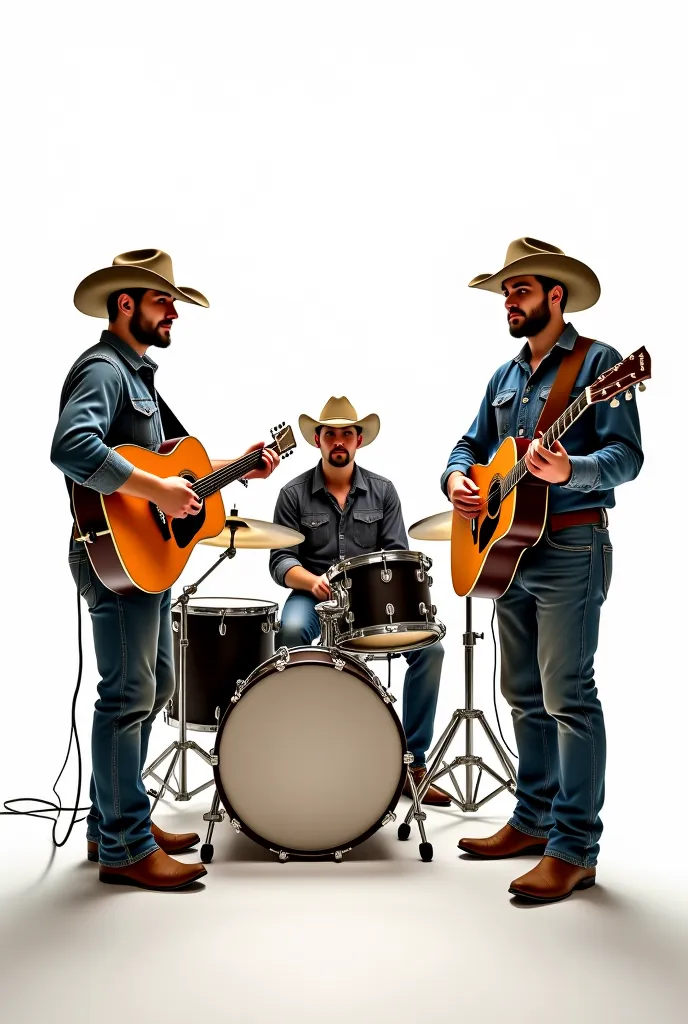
(170, 842)
(157, 871)
(435, 796)
(552, 880)
(508, 842)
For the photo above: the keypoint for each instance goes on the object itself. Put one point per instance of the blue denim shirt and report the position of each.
(108, 399)
(371, 520)
(603, 445)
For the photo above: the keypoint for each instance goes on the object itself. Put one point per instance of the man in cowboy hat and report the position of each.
(549, 616)
(327, 504)
(109, 398)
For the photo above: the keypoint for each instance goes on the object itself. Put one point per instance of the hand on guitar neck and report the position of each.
(551, 465)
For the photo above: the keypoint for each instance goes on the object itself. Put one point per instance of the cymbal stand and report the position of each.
(181, 746)
(438, 767)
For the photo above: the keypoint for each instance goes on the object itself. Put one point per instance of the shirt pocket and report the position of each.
(503, 405)
(143, 422)
(366, 526)
(315, 526)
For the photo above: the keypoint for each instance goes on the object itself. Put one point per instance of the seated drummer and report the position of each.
(344, 511)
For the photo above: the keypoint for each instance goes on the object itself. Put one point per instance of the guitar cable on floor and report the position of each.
(49, 806)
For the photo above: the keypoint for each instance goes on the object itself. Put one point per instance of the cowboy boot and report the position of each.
(170, 842)
(508, 842)
(157, 872)
(552, 880)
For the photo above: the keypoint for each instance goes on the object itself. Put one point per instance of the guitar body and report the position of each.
(133, 545)
(485, 551)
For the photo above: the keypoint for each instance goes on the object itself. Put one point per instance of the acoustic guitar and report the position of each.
(131, 543)
(486, 550)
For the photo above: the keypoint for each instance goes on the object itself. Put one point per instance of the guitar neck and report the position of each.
(219, 478)
(557, 430)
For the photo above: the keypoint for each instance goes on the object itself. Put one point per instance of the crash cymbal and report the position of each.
(254, 533)
(437, 527)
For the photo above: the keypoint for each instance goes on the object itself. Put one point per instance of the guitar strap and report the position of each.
(171, 427)
(560, 393)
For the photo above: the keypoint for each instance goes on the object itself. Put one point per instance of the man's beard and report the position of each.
(339, 461)
(532, 323)
(147, 335)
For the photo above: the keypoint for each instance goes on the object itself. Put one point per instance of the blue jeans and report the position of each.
(548, 629)
(301, 626)
(134, 654)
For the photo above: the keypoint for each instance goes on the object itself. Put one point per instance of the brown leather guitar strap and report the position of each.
(560, 393)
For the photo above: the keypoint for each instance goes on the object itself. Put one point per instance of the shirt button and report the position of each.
(520, 431)
(525, 400)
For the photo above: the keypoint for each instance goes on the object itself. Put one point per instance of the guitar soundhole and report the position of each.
(184, 530)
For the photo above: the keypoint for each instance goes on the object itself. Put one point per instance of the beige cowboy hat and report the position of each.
(140, 268)
(529, 256)
(339, 412)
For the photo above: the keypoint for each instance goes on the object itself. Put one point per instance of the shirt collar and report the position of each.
(358, 482)
(566, 340)
(127, 353)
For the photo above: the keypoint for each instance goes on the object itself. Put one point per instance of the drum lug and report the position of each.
(265, 627)
(338, 663)
(347, 582)
(220, 816)
(282, 659)
(390, 816)
(420, 574)
(385, 574)
(175, 626)
(214, 760)
(433, 609)
(430, 581)
(389, 608)
(349, 617)
(282, 857)
(236, 825)
(338, 856)
(240, 684)
(276, 625)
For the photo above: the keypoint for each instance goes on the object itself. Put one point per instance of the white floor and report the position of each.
(381, 937)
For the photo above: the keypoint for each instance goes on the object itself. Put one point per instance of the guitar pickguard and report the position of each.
(184, 530)
(491, 520)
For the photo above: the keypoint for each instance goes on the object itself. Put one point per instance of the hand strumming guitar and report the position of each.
(464, 495)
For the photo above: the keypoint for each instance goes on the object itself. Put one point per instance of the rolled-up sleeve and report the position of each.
(94, 396)
(287, 513)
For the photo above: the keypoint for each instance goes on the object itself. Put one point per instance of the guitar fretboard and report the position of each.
(219, 478)
(557, 430)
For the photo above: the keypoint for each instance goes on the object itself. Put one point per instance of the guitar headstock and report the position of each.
(625, 375)
(283, 439)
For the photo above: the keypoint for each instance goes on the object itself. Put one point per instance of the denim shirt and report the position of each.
(371, 520)
(603, 445)
(108, 399)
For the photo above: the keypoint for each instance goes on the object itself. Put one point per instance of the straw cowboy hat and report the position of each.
(140, 268)
(339, 412)
(529, 256)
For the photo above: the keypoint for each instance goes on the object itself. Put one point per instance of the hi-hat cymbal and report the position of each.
(437, 527)
(254, 533)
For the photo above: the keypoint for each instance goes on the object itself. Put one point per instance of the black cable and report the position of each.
(49, 806)
(494, 680)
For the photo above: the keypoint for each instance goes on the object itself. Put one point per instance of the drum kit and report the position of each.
(310, 758)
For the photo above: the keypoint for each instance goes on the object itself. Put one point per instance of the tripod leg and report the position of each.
(158, 761)
(497, 747)
(164, 785)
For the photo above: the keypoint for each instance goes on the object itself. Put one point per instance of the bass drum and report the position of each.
(310, 754)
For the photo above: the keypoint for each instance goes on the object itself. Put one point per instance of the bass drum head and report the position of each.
(310, 759)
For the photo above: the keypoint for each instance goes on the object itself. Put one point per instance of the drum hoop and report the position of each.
(259, 673)
(266, 608)
(399, 627)
(375, 558)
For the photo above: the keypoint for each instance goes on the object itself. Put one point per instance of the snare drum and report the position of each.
(228, 637)
(388, 607)
(310, 754)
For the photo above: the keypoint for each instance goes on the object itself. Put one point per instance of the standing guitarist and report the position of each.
(108, 399)
(549, 616)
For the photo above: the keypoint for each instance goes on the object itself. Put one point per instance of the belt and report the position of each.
(578, 517)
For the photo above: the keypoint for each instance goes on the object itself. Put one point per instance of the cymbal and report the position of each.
(437, 527)
(254, 533)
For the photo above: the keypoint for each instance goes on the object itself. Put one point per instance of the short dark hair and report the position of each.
(112, 308)
(359, 430)
(548, 283)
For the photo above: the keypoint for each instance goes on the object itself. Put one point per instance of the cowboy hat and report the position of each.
(529, 256)
(339, 412)
(140, 268)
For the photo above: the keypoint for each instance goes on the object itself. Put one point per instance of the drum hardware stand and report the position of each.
(438, 767)
(180, 747)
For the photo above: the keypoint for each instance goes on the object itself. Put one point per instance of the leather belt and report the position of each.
(578, 517)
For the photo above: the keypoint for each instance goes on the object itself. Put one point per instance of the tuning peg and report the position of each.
(282, 424)
(628, 396)
(614, 403)
(641, 387)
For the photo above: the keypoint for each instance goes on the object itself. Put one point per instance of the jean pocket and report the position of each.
(80, 569)
(607, 567)
(571, 538)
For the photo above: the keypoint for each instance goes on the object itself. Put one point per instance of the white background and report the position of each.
(331, 176)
